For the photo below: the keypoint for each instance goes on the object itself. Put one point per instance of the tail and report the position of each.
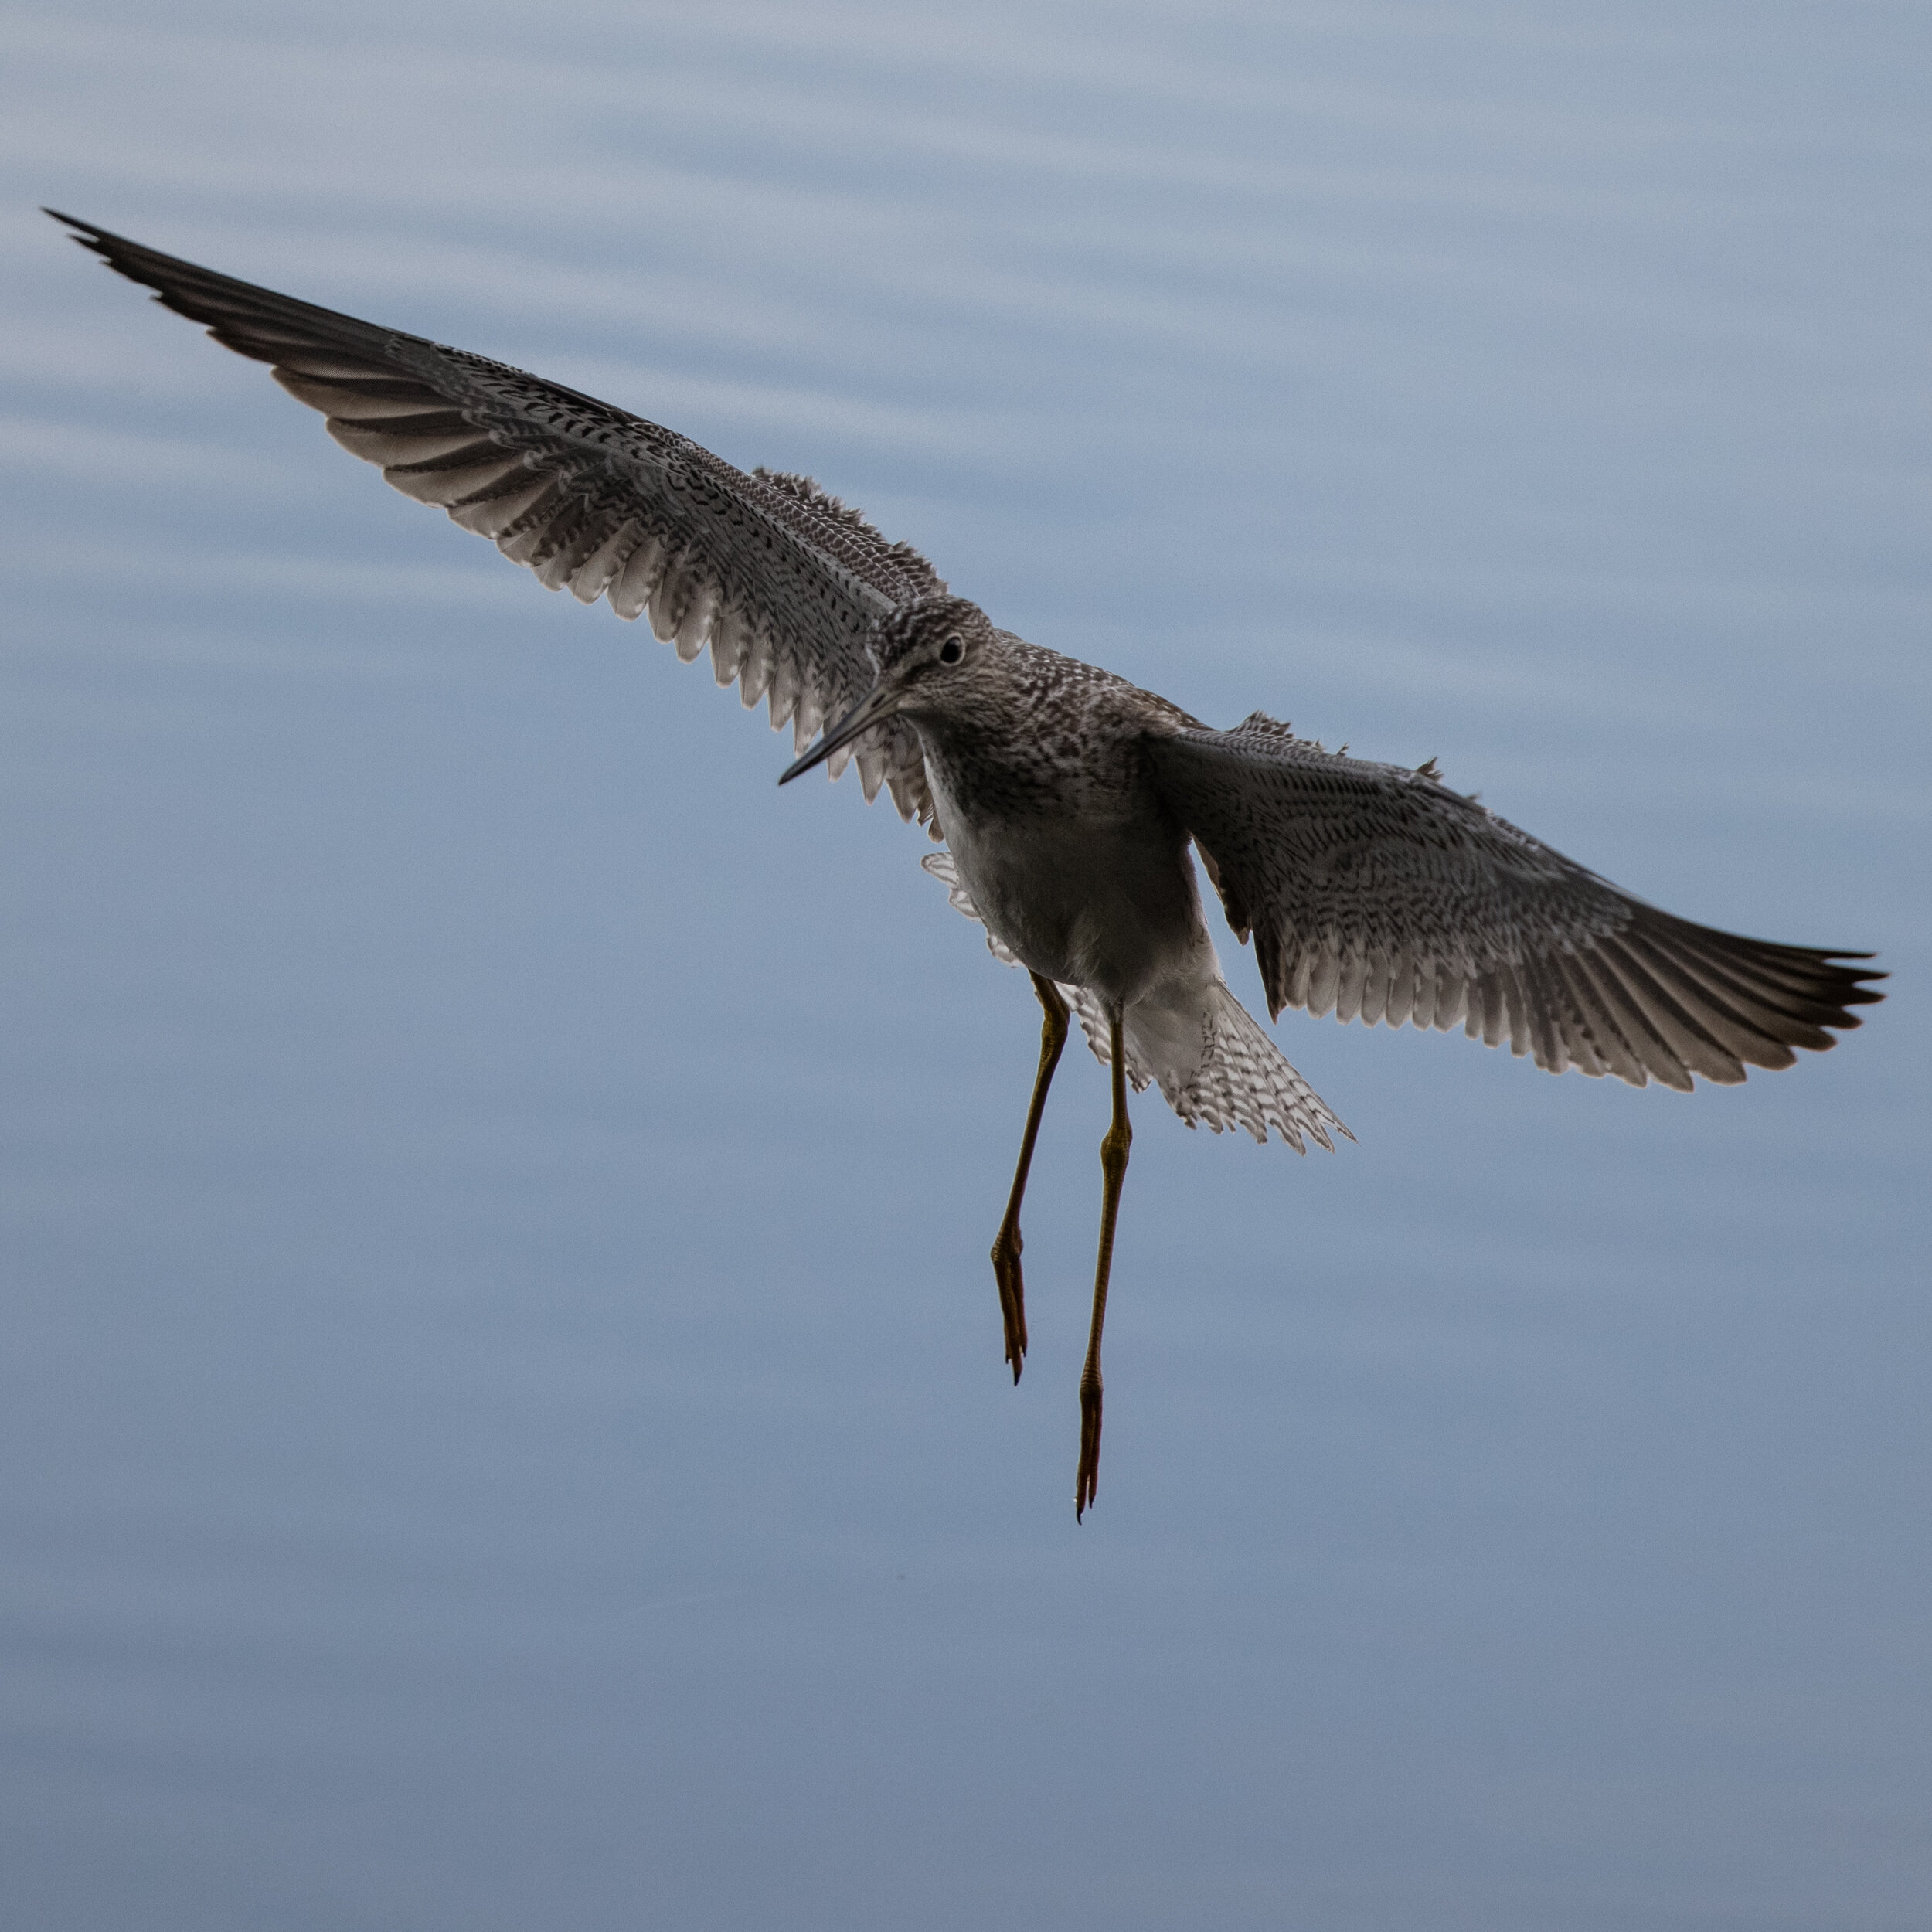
(1216, 1066)
(1244, 1079)
(1217, 1070)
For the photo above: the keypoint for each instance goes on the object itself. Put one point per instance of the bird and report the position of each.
(1070, 805)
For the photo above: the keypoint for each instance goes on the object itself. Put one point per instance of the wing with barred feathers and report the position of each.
(781, 579)
(1379, 893)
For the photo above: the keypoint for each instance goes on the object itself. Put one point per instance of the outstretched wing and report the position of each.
(781, 579)
(1380, 893)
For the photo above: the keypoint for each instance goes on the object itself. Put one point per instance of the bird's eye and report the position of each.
(951, 650)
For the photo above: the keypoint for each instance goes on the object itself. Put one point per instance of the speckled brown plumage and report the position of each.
(1069, 799)
(782, 581)
(1380, 893)
(1369, 890)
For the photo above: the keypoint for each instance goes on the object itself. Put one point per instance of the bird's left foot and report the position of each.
(1012, 1292)
(1088, 1481)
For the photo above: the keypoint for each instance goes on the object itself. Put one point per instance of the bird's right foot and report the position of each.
(1087, 1482)
(1012, 1292)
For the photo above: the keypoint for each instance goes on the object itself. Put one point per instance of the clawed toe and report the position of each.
(1087, 1482)
(1013, 1295)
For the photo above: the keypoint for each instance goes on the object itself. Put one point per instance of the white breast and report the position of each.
(1112, 907)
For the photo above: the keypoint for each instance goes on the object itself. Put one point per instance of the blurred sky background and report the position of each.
(500, 1381)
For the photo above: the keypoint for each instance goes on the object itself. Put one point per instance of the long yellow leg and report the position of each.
(1114, 1150)
(1007, 1244)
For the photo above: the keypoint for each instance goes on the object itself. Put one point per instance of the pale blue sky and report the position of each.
(502, 1394)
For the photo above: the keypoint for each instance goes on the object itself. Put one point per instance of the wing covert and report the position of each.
(1379, 893)
(780, 579)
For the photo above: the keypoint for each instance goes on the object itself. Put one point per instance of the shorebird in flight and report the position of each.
(1067, 799)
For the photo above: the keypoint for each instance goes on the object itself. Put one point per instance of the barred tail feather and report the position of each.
(1239, 1077)
(1216, 1069)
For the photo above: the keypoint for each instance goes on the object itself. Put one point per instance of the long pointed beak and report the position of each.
(876, 704)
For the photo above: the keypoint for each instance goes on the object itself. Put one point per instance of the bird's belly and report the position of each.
(1114, 908)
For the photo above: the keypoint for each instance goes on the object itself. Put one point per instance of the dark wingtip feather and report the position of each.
(102, 241)
(1806, 989)
(252, 321)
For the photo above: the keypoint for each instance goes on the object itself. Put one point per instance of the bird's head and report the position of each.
(929, 655)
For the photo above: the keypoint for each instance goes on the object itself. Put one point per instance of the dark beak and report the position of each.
(877, 705)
